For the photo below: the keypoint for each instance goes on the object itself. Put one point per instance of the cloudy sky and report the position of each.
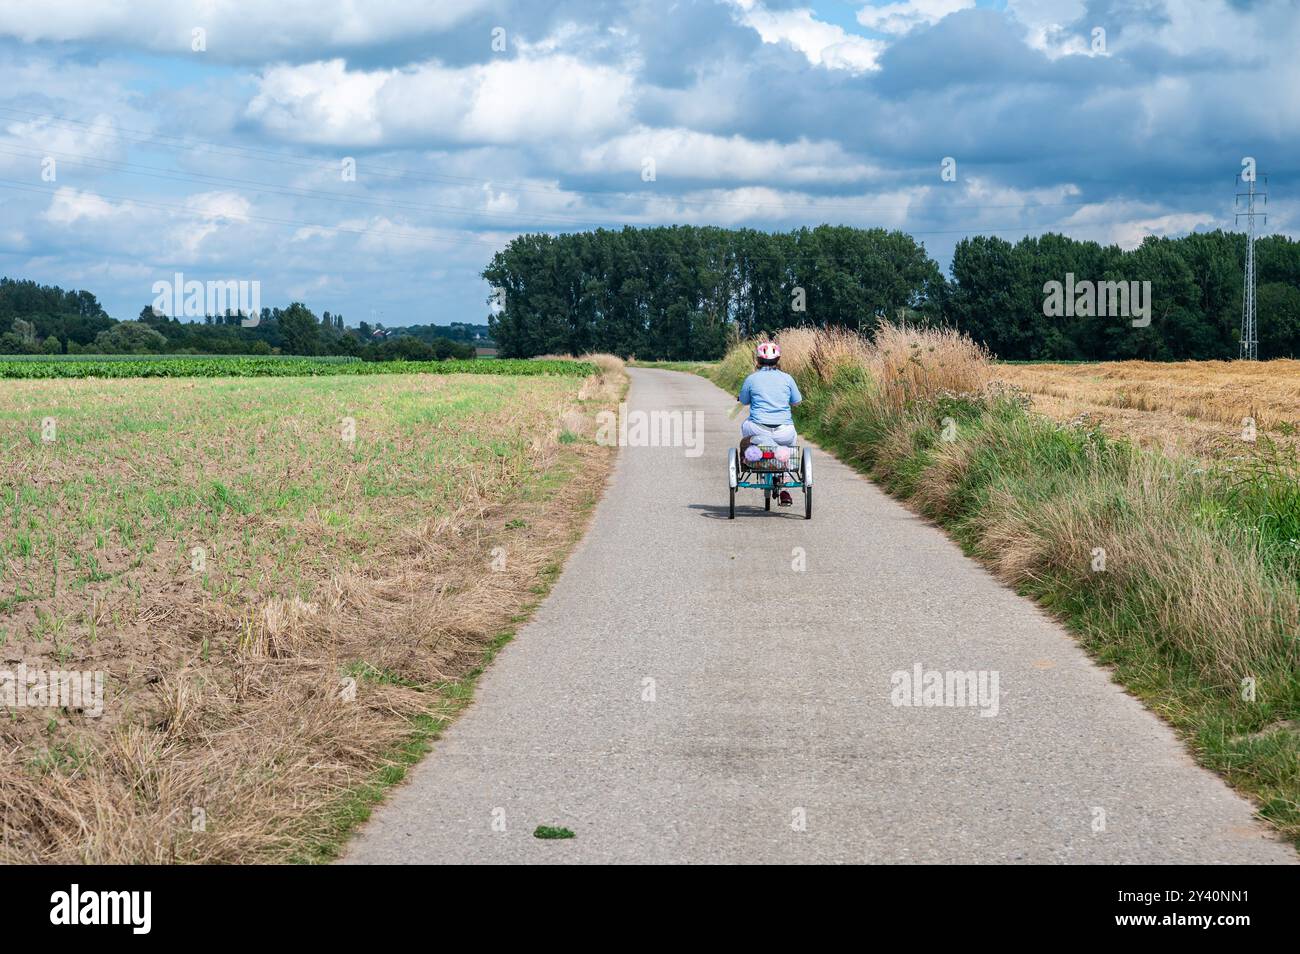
(213, 137)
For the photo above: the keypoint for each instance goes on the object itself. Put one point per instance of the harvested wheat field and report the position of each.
(285, 583)
(1195, 407)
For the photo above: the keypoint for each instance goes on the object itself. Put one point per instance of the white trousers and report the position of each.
(785, 434)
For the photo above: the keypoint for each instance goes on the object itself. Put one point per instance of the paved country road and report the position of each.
(772, 707)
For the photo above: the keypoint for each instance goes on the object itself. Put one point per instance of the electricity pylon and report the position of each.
(1249, 327)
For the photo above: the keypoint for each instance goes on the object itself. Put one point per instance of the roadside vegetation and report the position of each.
(290, 584)
(1181, 574)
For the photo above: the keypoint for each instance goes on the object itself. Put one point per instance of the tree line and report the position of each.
(685, 292)
(37, 319)
(997, 294)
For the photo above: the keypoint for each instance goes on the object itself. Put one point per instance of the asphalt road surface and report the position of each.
(688, 694)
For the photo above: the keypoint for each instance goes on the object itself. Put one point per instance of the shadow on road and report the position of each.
(719, 511)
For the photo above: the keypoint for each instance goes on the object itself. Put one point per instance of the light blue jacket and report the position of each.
(770, 393)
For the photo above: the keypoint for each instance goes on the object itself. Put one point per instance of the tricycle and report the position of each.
(775, 468)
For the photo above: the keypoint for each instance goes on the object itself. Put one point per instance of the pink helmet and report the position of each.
(768, 351)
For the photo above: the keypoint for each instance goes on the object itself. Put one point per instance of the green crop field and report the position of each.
(233, 554)
(155, 366)
(329, 359)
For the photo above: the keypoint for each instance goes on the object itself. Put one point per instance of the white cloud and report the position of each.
(824, 44)
(92, 95)
(1053, 27)
(687, 154)
(502, 101)
(319, 102)
(72, 205)
(504, 201)
(907, 15)
(220, 206)
(763, 205)
(12, 238)
(236, 29)
(211, 213)
(26, 145)
(1182, 27)
(1191, 26)
(1126, 223)
(998, 197)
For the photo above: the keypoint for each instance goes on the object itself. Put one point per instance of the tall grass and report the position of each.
(1182, 577)
(1263, 491)
(914, 366)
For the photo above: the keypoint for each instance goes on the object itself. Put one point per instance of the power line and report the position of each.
(185, 210)
(291, 191)
(356, 230)
(203, 178)
(266, 155)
